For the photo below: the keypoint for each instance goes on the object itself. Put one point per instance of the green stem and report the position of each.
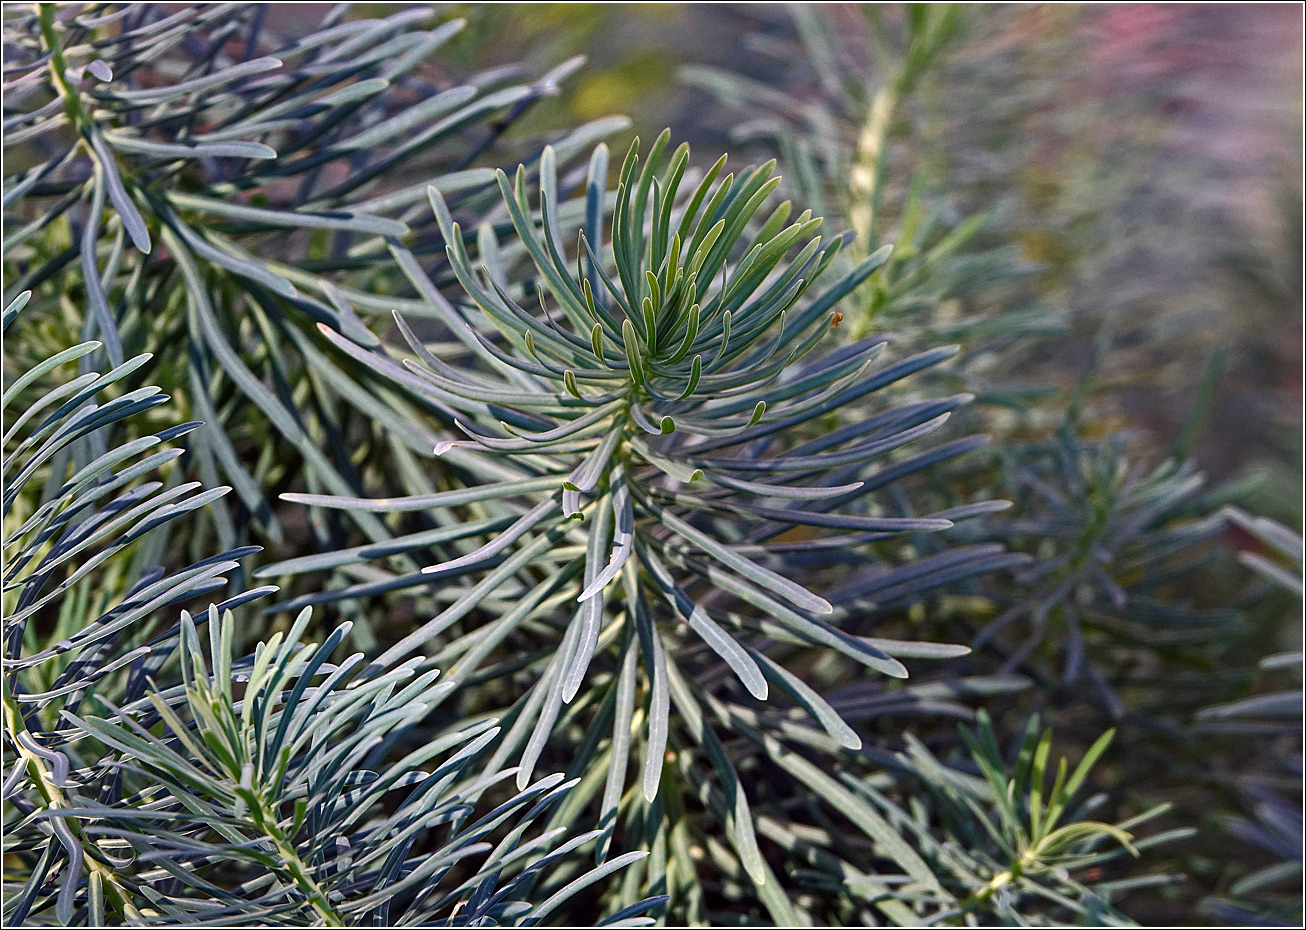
(865, 181)
(998, 882)
(72, 101)
(298, 869)
(865, 178)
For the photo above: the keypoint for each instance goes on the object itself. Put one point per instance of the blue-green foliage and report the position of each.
(643, 558)
(265, 167)
(248, 791)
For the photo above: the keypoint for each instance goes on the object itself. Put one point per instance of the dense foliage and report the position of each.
(698, 562)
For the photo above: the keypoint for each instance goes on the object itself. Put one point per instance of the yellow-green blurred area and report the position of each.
(1146, 157)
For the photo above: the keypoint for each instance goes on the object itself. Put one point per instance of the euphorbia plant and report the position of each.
(647, 451)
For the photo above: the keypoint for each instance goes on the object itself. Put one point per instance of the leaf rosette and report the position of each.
(655, 430)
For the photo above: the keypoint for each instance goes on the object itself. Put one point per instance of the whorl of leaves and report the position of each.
(647, 438)
(271, 799)
(1013, 845)
(628, 485)
(266, 167)
(262, 798)
(1112, 540)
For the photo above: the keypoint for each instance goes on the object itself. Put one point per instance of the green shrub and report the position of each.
(666, 571)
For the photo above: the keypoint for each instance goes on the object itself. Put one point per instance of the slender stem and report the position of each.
(865, 180)
(297, 868)
(865, 177)
(998, 882)
(54, 798)
(72, 101)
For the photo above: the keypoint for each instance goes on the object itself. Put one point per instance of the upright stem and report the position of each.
(59, 69)
(298, 869)
(866, 175)
(864, 182)
(864, 178)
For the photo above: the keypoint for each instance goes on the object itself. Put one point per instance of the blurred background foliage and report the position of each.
(1145, 158)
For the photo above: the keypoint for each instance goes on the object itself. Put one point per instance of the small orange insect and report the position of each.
(836, 320)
